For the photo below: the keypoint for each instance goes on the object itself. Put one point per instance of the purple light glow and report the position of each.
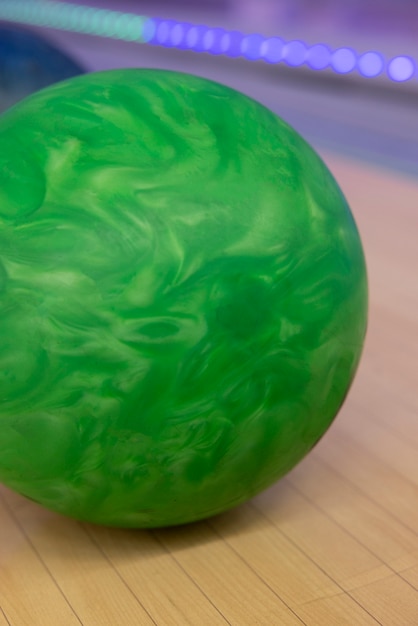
(272, 50)
(231, 43)
(343, 60)
(251, 47)
(370, 64)
(149, 30)
(318, 57)
(177, 35)
(200, 38)
(225, 43)
(294, 53)
(163, 31)
(194, 38)
(401, 69)
(212, 40)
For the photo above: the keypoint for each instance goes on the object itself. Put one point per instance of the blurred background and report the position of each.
(388, 25)
(343, 73)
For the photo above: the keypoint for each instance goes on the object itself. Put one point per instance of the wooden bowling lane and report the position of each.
(334, 543)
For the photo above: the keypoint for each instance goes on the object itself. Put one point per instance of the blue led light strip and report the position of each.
(199, 38)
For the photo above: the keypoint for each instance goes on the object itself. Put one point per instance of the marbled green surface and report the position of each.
(182, 298)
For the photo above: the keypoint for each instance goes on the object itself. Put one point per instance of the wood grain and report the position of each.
(334, 543)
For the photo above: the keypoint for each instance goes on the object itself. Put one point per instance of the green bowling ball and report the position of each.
(183, 298)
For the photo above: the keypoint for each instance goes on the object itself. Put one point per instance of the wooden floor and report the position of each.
(336, 542)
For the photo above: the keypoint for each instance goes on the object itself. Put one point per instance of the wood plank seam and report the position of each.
(38, 555)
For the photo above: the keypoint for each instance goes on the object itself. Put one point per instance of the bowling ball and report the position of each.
(28, 62)
(183, 298)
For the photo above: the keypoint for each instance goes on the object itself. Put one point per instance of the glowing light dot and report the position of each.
(176, 35)
(251, 47)
(122, 26)
(343, 60)
(163, 32)
(208, 39)
(87, 21)
(370, 64)
(272, 49)
(107, 24)
(225, 43)
(192, 37)
(318, 57)
(294, 53)
(212, 40)
(195, 37)
(401, 69)
(149, 30)
(231, 43)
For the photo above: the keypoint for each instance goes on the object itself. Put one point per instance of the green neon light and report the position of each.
(76, 18)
